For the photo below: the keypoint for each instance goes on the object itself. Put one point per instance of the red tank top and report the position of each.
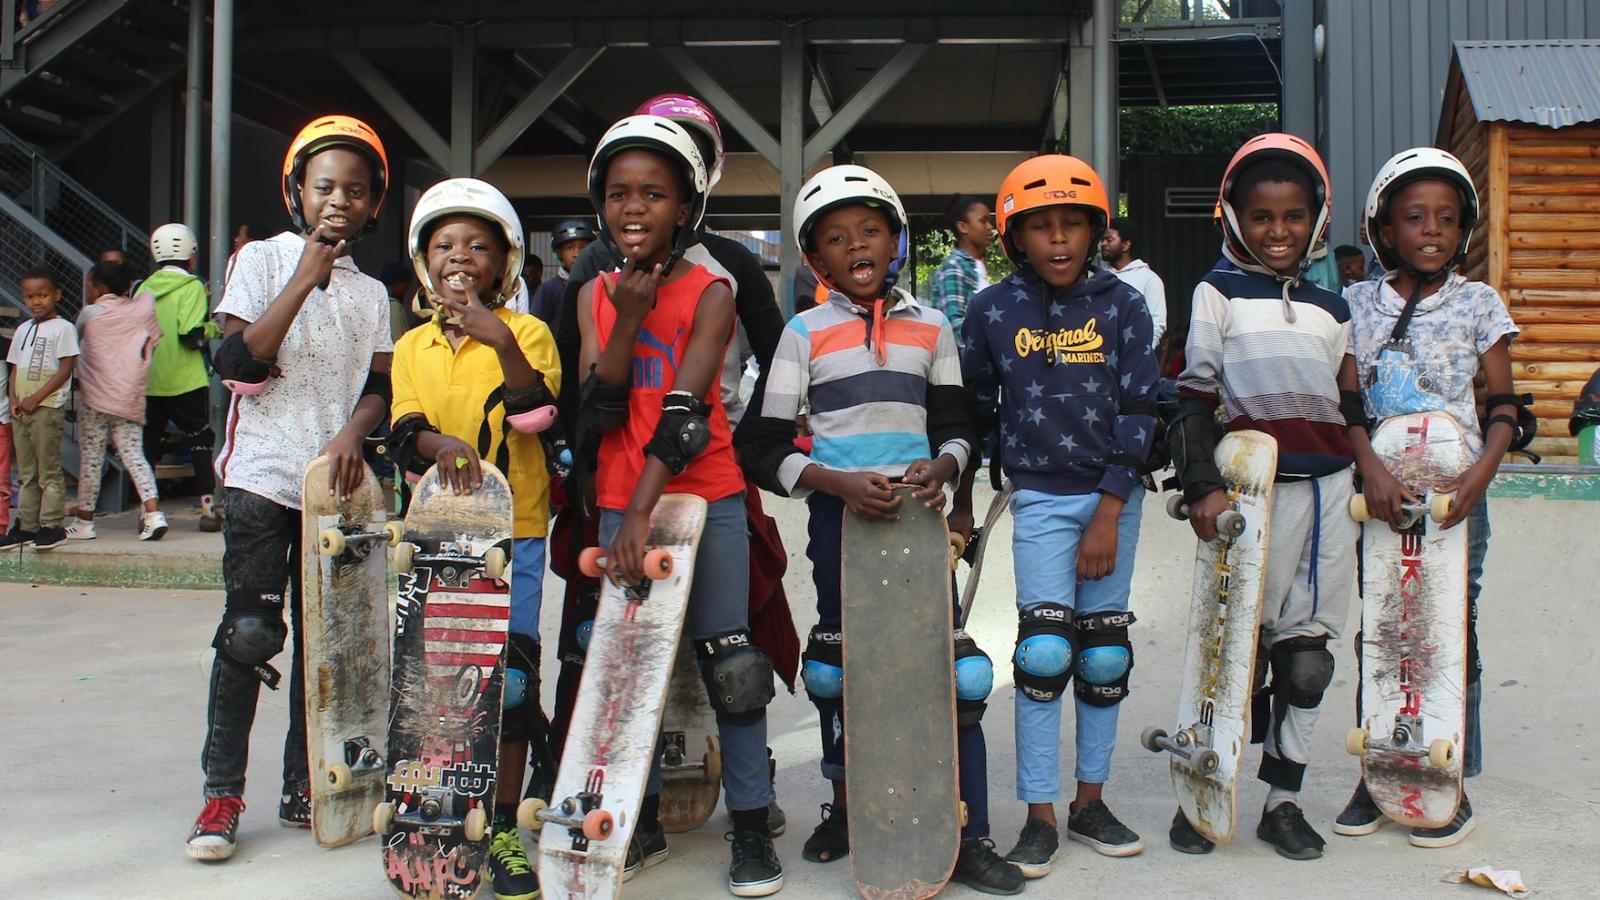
(658, 351)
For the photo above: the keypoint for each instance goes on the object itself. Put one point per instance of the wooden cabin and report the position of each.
(1524, 116)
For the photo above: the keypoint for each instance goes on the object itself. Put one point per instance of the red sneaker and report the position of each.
(213, 837)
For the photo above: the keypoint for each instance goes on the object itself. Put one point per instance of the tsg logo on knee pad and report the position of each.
(1042, 664)
(737, 675)
(822, 669)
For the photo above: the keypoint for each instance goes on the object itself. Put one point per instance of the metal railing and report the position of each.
(24, 245)
(62, 205)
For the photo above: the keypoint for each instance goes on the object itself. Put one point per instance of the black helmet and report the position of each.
(570, 230)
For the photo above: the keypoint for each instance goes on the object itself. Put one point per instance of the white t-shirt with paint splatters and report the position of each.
(1433, 365)
(323, 364)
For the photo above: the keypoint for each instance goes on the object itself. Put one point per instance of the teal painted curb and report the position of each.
(1549, 482)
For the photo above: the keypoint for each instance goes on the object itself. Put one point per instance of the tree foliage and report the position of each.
(1193, 129)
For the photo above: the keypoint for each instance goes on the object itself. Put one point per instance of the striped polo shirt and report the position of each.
(867, 392)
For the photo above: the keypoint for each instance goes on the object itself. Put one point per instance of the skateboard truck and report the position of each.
(1187, 744)
(581, 815)
(1230, 522)
(453, 562)
(360, 758)
(1405, 740)
(1436, 508)
(335, 541)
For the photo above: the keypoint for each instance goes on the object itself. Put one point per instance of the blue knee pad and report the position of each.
(585, 630)
(1105, 659)
(516, 689)
(974, 681)
(1042, 664)
(822, 669)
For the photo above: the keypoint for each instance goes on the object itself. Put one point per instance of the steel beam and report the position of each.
(1105, 160)
(728, 109)
(557, 121)
(397, 106)
(193, 111)
(221, 225)
(1298, 52)
(791, 168)
(530, 108)
(463, 98)
(61, 35)
(856, 108)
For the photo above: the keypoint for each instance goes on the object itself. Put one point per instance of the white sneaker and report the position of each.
(80, 529)
(152, 525)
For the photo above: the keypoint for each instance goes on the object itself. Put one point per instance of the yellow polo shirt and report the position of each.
(450, 386)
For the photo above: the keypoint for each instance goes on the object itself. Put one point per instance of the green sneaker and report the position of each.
(514, 878)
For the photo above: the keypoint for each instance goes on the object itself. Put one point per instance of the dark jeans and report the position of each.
(191, 412)
(261, 555)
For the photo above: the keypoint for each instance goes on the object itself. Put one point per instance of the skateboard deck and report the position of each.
(345, 573)
(1413, 625)
(691, 765)
(979, 545)
(451, 612)
(1213, 722)
(900, 702)
(611, 743)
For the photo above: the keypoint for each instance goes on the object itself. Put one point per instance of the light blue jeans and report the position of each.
(1045, 546)
(527, 585)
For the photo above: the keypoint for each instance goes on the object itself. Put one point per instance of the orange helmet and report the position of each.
(333, 131)
(1049, 180)
(1275, 145)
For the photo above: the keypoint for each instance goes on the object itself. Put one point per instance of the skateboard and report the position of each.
(975, 548)
(611, 743)
(346, 629)
(1213, 722)
(691, 764)
(451, 611)
(900, 702)
(1413, 629)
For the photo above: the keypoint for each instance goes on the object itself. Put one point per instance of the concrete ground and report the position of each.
(103, 699)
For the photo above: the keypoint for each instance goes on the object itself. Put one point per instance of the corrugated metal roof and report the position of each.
(1551, 83)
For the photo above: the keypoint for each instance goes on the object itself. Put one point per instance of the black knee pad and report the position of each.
(200, 439)
(1302, 669)
(822, 669)
(974, 681)
(249, 637)
(1105, 657)
(1046, 649)
(738, 677)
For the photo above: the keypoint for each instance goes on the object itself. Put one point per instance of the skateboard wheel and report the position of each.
(958, 546)
(395, 532)
(1175, 508)
(1358, 508)
(1230, 523)
(1441, 753)
(591, 562)
(1205, 761)
(1355, 742)
(403, 552)
(963, 814)
(476, 824)
(597, 824)
(494, 562)
(382, 815)
(331, 541)
(713, 765)
(1151, 737)
(339, 776)
(1440, 505)
(528, 813)
(658, 563)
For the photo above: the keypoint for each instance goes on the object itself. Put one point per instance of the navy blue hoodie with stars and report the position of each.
(1076, 378)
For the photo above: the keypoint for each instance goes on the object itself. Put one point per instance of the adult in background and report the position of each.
(1117, 249)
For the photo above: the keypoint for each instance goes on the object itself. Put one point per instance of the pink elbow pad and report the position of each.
(244, 388)
(533, 421)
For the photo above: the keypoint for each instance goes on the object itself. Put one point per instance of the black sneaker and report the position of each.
(755, 871)
(1285, 827)
(17, 538)
(831, 839)
(648, 847)
(1185, 839)
(1037, 847)
(1096, 826)
(1360, 816)
(513, 878)
(212, 839)
(777, 822)
(980, 868)
(1452, 832)
(294, 809)
(49, 537)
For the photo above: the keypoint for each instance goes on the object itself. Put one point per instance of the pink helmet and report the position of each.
(690, 112)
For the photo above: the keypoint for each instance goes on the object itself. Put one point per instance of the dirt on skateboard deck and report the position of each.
(900, 702)
(345, 572)
(1213, 722)
(691, 764)
(611, 742)
(451, 613)
(1413, 629)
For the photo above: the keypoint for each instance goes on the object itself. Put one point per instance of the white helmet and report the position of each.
(470, 197)
(663, 136)
(1408, 166)
(838, 185)
(172, 242)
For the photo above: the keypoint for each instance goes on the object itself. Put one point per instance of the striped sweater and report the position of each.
(1270, 355)
(882, 394)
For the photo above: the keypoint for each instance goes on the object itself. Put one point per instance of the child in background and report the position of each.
(43, 354)
(117, 335)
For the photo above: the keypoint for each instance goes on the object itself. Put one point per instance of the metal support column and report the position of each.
(193, 109)
(1104, 25)
(463, 99)
(1298, 47)
(221, 140)
(791, 170)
